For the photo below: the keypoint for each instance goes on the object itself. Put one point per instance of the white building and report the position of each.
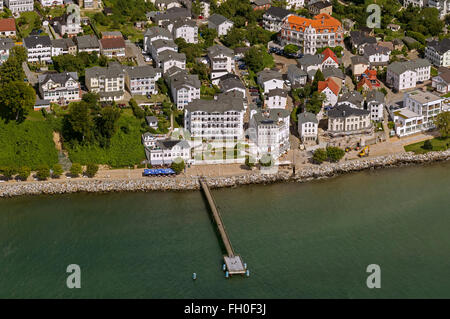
(276, 99)
(273, 18)
(330, 89)
(308, 127)
(108, 82)
(344, 120)
(375, 105)
(218, 119)
(169, 59)
(441, 82)
(406, 75)
(39, 49)
(270, 80)
(51, 3)
(438, 52)
(61, 88)
(406, 121)
(7, 27)
(296, 75)
(221, 60)
(221, 24)
(141, 80)
(424, 103)
(184, 87)
(269, 130)
(67, 24)
(186, 29)
(5, 47)
(19, 5)
(296, 4)
(166, 151)
(377, 55)
(155, 33)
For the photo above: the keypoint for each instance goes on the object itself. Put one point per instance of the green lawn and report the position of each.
(439, 144)
(27, 144)
(125, 149)
(27, 22)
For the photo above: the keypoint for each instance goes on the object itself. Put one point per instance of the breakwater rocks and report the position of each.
(191, 183)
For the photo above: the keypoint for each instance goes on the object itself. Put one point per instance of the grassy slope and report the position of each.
(439, 144)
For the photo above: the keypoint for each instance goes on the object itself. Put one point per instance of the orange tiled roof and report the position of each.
(320, 22)
(8, 24)
(328, 53)
(329, 83)
(362, 82)
(371, 74)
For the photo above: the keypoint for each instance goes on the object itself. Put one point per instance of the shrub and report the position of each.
(7, 172)
(428, 145)
(43, 172)
(178, 165)
(91, 170)
(23, 173)
(57, 171)
(266, 160)
(75, 170)
(334, 154)
(249, 161)
(320, 155)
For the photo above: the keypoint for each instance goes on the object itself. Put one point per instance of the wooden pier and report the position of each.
(233, 262)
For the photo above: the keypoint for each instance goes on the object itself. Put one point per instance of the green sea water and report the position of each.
(311, 240)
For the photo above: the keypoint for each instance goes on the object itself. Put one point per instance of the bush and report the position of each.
(57, 171)
(91, 170)
(23, 173)
(320, 155)
(334, 154)
(75, 170)
(178, 165)
(43, 172)
(7, 172)
(266, 160)
(427, 145)
(249, 161)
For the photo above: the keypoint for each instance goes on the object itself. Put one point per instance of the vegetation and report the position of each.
(91, 170)
(178, 165)
(78, 63)
(23, 173)
(16, 101)
(437, 144)
(249, 161)
(266, 160)
(57, 170)
(75, 169)
(442, 122)
(335, 154)
(7, 172)
(320, 155)
(257, 59)
(43, 172)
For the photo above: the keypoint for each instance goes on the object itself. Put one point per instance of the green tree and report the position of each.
(107, 122)
(11, 71)
(428, 145)
(16, 101)
(335, 154)
(291, 49)
(78, 124)
(249, 161)
(75, 169)
(320, 155)
(23, 173)
(442, 122)
(317, 78)
(57, 170)
(7, 172)
(43, 172)
(178, 165)
(19, 53)
(208, 35)
(258, 59)
(91, 169)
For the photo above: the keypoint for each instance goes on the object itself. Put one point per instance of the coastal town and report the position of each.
(114, 88)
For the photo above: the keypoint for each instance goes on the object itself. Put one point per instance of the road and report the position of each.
(32, 78)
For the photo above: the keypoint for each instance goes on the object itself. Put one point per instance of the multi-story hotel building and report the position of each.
(61, 88)
(311, 34)
(20, 5)
(108, 82)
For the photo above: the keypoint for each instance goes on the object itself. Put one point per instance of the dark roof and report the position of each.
(142, 71)
(278, 12)
(33, 41)
(172, 14)
(361, 37)
(61, 78)
(87, 42)
(270, 116)
(344, 110)
(223, 103)
(320, 5)
(306, 117)
(217, 19)
(277, 92)
(375, 95)
(440, 46)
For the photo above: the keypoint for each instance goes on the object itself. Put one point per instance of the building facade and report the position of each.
(61, 88)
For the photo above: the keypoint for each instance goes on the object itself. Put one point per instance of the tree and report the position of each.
(162, 86)
(43, 172)
(249, 161)
(266, 160)
(320, 155)
(78, 124)
(91, 169)
(208, 35)
(23, 173)
(317, 77)
(258, 59)
(7, 172)
(291, 49)
(11, 70)
(16, 101)
(427, 145)
(57, 170)
(442, 122)
(19, 53)
(107, 122)
(334, 154)
(178, 165)
(75, 169)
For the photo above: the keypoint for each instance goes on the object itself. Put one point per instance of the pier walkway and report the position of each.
(233, 262)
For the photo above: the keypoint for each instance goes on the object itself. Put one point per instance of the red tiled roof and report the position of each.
(112, 43)
(329, 83)
(362, 82)
(320, 22)
(328, 53)
(8, 24)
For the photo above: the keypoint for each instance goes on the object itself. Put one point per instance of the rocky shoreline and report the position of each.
(191, 183)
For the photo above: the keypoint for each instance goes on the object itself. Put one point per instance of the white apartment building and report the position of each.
(155, 33)
(219, 119)
(166, 151)
(377, 55)
(308, 127)
(186, 29)
(61, 88)
(221, 60)
(375, 105)
(270, 80)
(39, 49)
(345, 120)
(276, 99)
(66, 24)
(108, 82)
(273, 18)
(311, 34)
(425, 104)
(438, 52)
(17, 6)
(406, 121)
(221, 24)
(269, 130)
(51, 3)
(169, 59)
(296, 75)
(405, 75)
(185, 88)
(162, 45)
(141, 80)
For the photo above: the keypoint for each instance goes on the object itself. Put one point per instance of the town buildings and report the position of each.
(311, 34)
(346, 120)
(108, 82)
(67, 24)
(406, 75)
(186, 29)
(273, 18)
(270, 80)
(221, 60)
(276, 99)
(87, 43)
(18, 6)
(61, 88)
(141, 80)
(375, 104)
(438, 52)
(166, 151)
(308, 127)
(184, 87)
(113, 47)
(441, 82)
(221, 24)
(8, 28)
(296, 75)
(331, 91)
(39, 49)
(5, 47)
